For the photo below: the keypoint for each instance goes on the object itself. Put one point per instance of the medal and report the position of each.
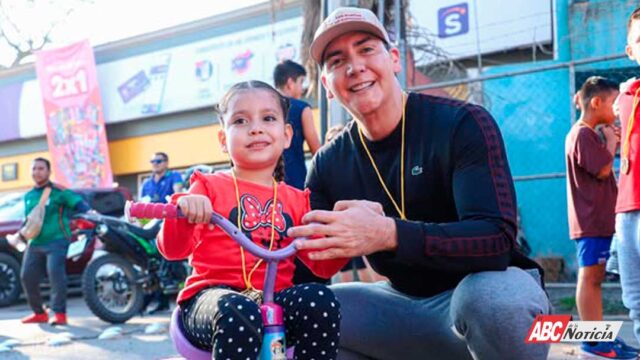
(254, 295)
(624, 166)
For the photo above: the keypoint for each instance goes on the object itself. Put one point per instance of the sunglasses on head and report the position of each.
(156, 161)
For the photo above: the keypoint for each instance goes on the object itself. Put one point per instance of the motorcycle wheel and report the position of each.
(9, 280)
(110, 290)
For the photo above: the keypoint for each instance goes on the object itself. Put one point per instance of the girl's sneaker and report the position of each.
(606, 350)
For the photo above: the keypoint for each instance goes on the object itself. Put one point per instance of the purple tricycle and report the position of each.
(273, 342)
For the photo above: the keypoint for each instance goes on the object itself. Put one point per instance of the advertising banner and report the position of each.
(9, 112)
(196, 74)
(74, 116)
(178, 78)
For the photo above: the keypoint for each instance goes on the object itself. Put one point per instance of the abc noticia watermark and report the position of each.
(560, 328)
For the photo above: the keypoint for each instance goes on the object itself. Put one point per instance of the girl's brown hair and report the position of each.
(222, 107)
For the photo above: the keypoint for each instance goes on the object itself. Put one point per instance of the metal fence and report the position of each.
(533, 105)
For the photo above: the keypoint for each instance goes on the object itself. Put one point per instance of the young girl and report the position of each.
(219, 309)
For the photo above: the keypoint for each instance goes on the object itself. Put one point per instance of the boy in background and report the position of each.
(591, 195)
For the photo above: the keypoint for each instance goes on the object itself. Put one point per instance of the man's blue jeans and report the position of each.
(49, 260)
(628, 233)
(487, 316)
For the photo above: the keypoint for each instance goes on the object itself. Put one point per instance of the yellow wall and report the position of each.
(184, 147)
(24, 170)
(131, 156)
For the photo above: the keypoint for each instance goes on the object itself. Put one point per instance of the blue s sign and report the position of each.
(453, 20)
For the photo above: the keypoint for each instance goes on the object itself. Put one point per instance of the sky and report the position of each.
(109, 20)
(104, 21)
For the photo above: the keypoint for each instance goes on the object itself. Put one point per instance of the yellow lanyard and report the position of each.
(400, 209)
(245, 277)
(624, 166)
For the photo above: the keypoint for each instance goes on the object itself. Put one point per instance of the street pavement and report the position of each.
(134, 343)
(85, 328)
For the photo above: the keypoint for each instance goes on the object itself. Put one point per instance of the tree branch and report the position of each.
(26, 44)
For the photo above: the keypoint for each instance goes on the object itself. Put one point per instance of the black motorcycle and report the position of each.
(126, 269)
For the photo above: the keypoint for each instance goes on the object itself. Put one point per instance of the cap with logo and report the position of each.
(344, 20)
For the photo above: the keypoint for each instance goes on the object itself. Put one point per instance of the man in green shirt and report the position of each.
(46, 253)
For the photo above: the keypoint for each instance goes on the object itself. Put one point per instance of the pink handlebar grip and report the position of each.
(151, 210)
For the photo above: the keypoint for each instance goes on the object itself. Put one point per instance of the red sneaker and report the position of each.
(59, 319)
(35, 318)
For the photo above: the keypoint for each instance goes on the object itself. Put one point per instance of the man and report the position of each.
(163, 183)
(591, 199)
(439, 219)
(47, 252)
(288, 77)
(158, 188)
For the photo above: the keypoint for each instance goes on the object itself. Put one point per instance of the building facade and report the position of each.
(158, 92)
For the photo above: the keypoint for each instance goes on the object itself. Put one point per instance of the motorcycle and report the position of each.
(126, 269)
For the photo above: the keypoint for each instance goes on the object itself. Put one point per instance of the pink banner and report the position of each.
(75, 117)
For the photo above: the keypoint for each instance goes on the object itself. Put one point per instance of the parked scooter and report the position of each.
(128, 268)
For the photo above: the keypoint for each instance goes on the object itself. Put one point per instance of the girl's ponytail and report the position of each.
(278, 172)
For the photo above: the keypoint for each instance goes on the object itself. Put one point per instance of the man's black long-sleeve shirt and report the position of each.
(459, 194)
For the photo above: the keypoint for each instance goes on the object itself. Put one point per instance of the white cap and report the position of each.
(341, 21)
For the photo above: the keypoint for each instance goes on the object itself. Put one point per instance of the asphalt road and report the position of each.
(84, 328)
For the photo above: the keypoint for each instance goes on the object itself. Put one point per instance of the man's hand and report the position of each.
(353, 228)
(14, 239)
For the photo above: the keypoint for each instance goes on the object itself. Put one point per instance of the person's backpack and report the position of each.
(33, 225)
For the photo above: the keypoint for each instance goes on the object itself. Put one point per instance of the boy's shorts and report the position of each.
(593, 250)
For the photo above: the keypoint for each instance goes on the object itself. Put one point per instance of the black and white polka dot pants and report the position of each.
(229, 324)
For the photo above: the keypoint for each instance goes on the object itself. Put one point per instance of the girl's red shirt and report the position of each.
(215, 257)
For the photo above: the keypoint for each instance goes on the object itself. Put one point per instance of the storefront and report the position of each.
(157, 90)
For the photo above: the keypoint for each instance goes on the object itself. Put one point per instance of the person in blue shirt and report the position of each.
(158, 188)
(288, 77)
(164, 182)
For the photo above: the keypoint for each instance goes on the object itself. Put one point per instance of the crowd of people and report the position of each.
(415, 191)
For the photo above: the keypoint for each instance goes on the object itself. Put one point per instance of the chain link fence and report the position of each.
(533, 106)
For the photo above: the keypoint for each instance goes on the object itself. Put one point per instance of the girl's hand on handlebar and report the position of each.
(196, 208)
